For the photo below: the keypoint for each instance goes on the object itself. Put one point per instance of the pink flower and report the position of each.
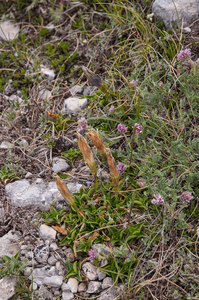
(134, 83)
(138, 128)
(186, 197)
(142, 182)
(92, 255)
(111, 109)
(160, 83)
(82, 123)
(122, 128)
(121, 168)
(184, 54)
(158, 199)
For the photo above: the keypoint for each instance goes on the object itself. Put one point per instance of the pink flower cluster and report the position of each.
(184, 54)
(82, 123)
(111, 109)
(138, 128)
(92, 255)
(158, 199)
(186, 197)
(122, 128)
(121, 168)
(142, 182)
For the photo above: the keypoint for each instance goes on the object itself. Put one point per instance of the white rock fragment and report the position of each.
(6, 145)
(8, 30)
(47, 232)
(48, 72)
(72, 105)
(94, 287)
(60, 165)
(53, 281)
(90, 271)
(73, 285)
(44, 94)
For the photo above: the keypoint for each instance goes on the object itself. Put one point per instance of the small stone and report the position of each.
(53, 281)
(8, 30)
(48, 72)
(76, 89)
(6, 145)
(28, 175)
(94, 287)
(72, 105)
(90, 271)
(61, 268)
(16, 99)
(107, 282)
(65, 287)
(24, 247)
(44, 293)
(60, 165)
(53, 247)
(82, 287)
(67, 296)
(52, 261)
(29, 254)
(40, 273)
(186, 30)
(89, 90)
(7, 287)
(47, 232)
(101, 275)
(41, 253)
(73, 284)
(28, 271)
(44, 94)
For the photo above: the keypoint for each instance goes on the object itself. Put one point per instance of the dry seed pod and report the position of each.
(97, 141)
(111, 163)
(63, 189)
(86, 150)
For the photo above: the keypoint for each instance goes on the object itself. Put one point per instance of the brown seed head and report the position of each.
(63, 189)
(111, 163)
(97, 141)
(85, 149)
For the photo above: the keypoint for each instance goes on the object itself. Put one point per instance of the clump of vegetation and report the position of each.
(140, 126)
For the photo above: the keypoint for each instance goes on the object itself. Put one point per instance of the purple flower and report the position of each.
(121, 168)
(184, 54)
(160, 83)
(186, 197)
(92, 255)
(158, 199)
(122, 128)
(82, 123)
(111, 109)
(142, 182)
(134, 83)
(138, 128)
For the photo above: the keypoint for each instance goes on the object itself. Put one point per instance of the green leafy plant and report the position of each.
(7, 175)
(12, 265)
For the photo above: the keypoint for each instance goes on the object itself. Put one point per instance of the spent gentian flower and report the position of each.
(121, 168)
(122, 128)
(134, 83)
(158, 199)
(186, 197)
(138, 128)
(92, 255)
(184, 54)
(82, 123)
(142, 182)
(111, 109)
